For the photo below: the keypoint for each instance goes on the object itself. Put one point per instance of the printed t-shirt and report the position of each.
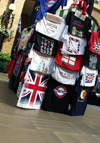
(94, 97)
(64, 76)
(49, 6)
(33, 91)
(34, 13)
(25, 36)
(27, 73)
(68, 61)
(78, 26)
(41, 63)
(19, 64)
(44, 44)
(91, 59)
(50, 28)
(58, 96)
(96, 88)
(80, 101)
(72, 45)
(88, 77)
(94, 43)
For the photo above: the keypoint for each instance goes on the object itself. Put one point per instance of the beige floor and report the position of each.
(37, 126)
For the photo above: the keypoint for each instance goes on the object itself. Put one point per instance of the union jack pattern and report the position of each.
(19, 26)
(73, 45)
(89, 78)
(96, 46)
(33, 91)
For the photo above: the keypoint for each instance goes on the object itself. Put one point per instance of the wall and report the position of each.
(3, 5)
(96, 13)
(7, 46)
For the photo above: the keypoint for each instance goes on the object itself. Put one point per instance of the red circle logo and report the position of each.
(60, 91)
(50, 3)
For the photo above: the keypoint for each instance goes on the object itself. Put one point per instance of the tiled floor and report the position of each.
(37, 126)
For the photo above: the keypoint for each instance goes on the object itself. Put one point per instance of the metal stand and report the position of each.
(1, 41)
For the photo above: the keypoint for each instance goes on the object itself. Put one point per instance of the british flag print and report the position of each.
(96, 47)
(73, 45)
(89, 78)
(19, 26)
(33, 91)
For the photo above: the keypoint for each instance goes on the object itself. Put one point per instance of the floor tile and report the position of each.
(4, 77)
(42, 124)
(95, 107)
(95, 126)
(95, 119)
(97, 137)
(12, 109)
(0, 110)
(67, 118)
(83, 128)
(11, 135)
(91, 112)
(15, 121)
(76, 138)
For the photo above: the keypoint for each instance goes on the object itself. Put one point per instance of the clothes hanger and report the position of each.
(30, 27)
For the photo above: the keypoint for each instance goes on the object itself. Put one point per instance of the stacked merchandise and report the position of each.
(62, 74)
(89, 74)
(79, 107)
(19, 56)
(68, 62)
(46, 40)
(56, 58)
(17, 68)
(94, 62)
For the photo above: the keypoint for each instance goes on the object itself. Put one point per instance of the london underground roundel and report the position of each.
(50, 3)
(60, 91)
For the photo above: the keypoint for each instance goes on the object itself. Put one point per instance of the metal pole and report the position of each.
(1, 41)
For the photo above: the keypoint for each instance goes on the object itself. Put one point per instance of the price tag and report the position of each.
(80, 15)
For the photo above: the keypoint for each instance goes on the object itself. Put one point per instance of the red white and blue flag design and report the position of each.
(50, 3)
(89, 78)
(73, 45)
(33, 91)
(96, 47)
(19, 26)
